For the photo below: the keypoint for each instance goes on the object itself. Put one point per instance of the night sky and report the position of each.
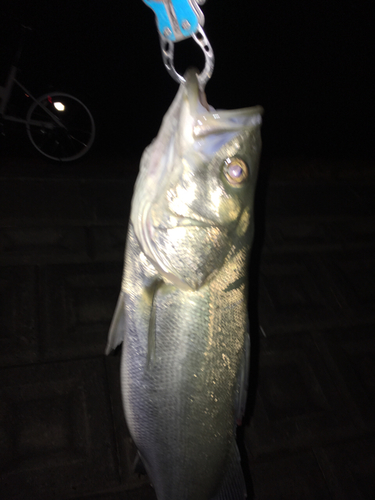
(308, 63)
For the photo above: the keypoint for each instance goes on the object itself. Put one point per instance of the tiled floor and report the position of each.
(62, 431)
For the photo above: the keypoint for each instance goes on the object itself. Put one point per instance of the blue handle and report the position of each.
(184, 12)
(168, 12)
(162, 19)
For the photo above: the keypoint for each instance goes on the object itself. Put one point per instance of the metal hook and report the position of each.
(177, 20)
(167, 49)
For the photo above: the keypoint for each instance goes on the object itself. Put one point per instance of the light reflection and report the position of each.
(59, 106)
(216, 198)
(183, 198)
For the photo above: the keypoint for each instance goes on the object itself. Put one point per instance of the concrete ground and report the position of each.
(311, 434)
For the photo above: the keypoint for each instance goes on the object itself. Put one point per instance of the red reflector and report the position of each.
(50, 99)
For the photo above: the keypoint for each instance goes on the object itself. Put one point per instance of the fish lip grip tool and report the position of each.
(177, 20)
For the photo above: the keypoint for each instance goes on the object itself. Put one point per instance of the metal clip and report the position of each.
(177, 20)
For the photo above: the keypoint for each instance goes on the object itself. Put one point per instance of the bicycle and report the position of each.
(58, 125)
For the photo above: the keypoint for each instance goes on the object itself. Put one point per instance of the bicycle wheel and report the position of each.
(60, 126)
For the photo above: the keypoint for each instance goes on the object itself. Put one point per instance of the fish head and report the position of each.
(193, 198)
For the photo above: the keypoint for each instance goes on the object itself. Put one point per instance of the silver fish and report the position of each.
(182, 308)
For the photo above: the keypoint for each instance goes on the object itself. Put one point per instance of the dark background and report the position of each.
(308, 63)
(62, 232)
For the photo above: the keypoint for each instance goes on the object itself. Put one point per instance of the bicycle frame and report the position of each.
(58, 124)
(5, 95)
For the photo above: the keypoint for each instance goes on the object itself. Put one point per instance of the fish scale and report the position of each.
(182, 308)
(186, 363)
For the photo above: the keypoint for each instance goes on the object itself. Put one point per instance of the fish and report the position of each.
(182, 310)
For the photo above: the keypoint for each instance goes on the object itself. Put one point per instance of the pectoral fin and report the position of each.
(151, 347)
(117, 328)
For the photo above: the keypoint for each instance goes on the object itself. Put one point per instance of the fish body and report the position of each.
(182, 310)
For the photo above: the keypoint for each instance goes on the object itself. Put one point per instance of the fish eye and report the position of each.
(235, 171)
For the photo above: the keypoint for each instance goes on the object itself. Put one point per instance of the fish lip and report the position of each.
(187, 222)
(191, 221)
